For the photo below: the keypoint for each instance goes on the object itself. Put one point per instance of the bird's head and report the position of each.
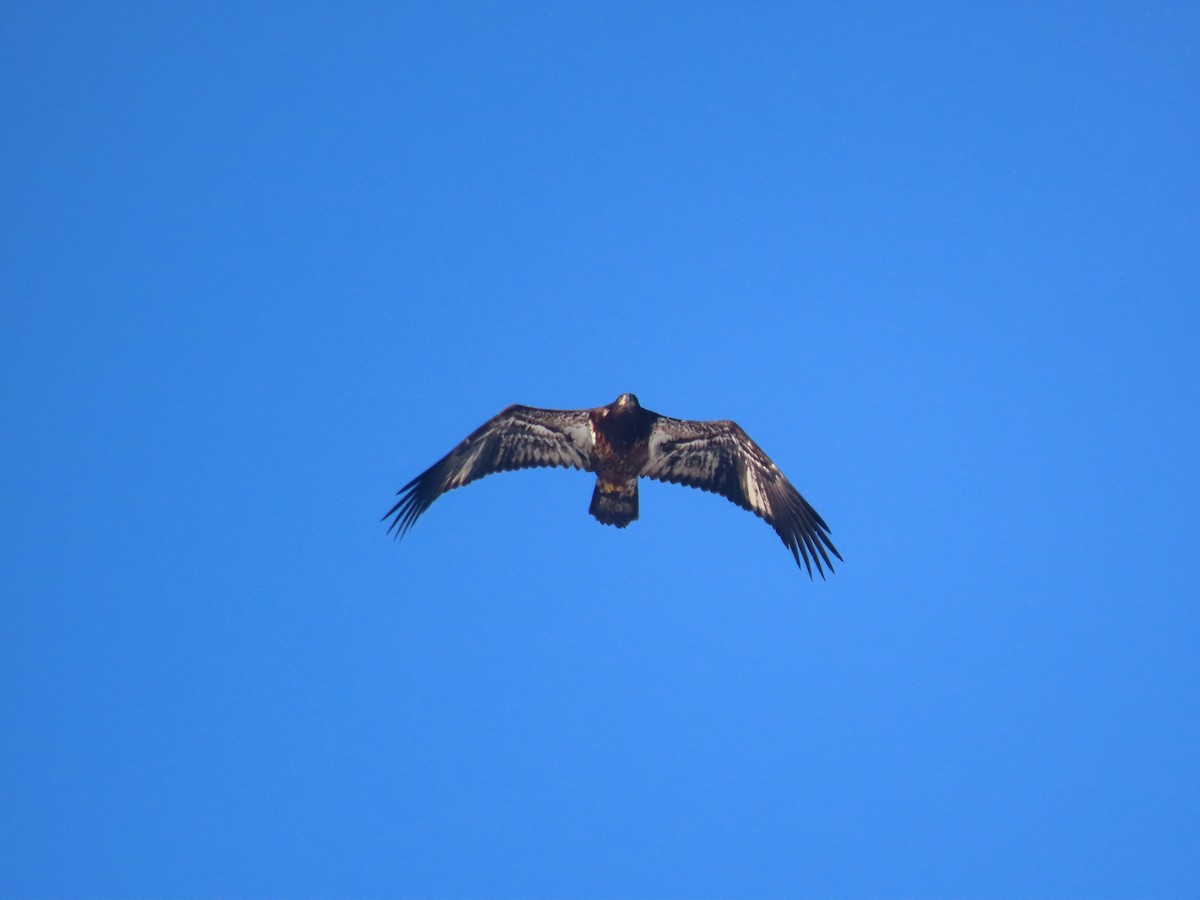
(627, 401)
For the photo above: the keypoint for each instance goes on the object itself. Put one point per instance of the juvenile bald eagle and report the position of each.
(622, 442)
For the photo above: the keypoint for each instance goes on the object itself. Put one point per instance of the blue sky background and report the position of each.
(264, 263)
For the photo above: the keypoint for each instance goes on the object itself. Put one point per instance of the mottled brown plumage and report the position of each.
(620, 443)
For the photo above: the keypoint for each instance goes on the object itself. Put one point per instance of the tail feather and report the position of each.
(615, 504)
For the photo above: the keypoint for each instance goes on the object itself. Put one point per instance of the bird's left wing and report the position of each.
(520, 437)
(720, 457)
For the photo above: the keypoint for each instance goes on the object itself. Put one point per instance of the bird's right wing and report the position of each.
(720, 457)
(520, 437)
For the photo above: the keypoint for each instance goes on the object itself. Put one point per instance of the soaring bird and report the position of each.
(621, 443)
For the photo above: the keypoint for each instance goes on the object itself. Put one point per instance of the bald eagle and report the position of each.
(622, 442)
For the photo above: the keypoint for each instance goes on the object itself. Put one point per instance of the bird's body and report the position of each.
(620, 451)
(621, 443)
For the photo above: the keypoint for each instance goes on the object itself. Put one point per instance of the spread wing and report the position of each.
(721, 458)
(520, 437)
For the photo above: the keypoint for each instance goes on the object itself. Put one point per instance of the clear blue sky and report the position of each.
(264, 263)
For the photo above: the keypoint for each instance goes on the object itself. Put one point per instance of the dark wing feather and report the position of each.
(721, 458)
(520, 437)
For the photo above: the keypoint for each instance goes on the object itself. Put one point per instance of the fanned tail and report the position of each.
(615, 504)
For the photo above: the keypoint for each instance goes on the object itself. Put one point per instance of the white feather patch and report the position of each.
(753, 489)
